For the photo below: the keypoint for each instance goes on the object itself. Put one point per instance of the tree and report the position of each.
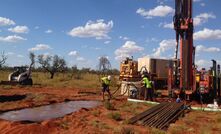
(3, 59)
(73, 70)
(104, 64)
(52, 64)
(32, 58)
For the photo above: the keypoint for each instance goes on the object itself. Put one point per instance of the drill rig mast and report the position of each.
(184, 68)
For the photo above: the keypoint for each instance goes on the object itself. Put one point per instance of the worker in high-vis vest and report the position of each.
(105, 86)
(147, 84)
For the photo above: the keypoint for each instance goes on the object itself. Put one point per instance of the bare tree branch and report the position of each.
(52, 64)
(3, 59)
(32, 58)
(104, 64)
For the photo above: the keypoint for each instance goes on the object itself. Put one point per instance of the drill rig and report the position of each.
(182, 74)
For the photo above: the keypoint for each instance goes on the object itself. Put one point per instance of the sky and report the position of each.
(81, 31)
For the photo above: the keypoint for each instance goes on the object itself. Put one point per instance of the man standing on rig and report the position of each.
(105, 86)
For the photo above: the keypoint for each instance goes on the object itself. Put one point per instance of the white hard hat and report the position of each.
(109, 77)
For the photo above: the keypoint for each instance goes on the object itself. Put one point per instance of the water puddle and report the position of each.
(52, 111)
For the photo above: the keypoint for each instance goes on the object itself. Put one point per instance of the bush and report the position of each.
(108, 105)
(96, 113)
(115, 115)
(100, 125)
(78, 76)
(127, 130)
(64, 125)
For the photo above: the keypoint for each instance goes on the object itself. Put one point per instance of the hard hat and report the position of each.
(109, 77)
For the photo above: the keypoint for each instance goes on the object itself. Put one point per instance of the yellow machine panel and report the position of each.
(129, 69)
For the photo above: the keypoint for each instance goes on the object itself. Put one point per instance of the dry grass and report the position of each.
(127, 130)
(130, 107)
(198, 122)
(115, 116)
(84, 81)
(108, 105)
(99, 124)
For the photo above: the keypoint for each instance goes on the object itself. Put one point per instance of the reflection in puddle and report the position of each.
(41, 113)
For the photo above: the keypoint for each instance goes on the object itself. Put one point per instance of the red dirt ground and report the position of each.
(93, 120)
(86, 121)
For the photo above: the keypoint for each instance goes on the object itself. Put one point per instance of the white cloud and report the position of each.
(107, 42)
(98, 29)
(203, 18)
(73, 53)
(48, 31)
(159, 11)
(207, 34)
(6, 22)
(40, 47)
(168, 25)
(123, 38)
(46, 55)
(203, 63)
(201, 48)
(202, 4)
(19, 29)
(198, 20)
(164, 46)
(77, 56)
(80, 59)
(12, 38)
(127, 50)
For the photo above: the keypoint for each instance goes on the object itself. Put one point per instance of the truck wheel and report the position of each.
(29, 82)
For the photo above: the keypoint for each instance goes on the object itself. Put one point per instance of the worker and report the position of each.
(105, 86)
(178, 100)
(152, 88)
(148, 87)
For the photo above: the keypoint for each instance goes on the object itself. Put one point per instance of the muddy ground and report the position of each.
(106, 118)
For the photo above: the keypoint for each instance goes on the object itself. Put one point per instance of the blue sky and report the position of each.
(83, 30)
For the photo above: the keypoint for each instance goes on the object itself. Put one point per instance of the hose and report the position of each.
(119, 87)
(126, 87)
(116, 89)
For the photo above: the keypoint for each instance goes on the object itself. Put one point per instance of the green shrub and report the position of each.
(64, 125)
(100, 125)
(115, 115)
(108, 105)
(96, 112)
